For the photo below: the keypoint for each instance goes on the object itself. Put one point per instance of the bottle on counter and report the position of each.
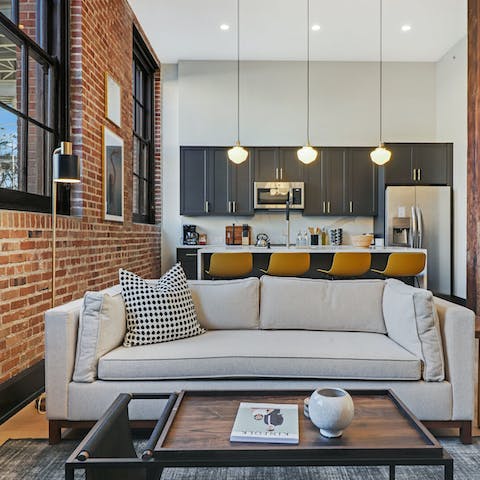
(305, 239)
(324, 235)
(298, 241)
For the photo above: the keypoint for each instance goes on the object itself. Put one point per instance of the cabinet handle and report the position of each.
(276, 173)
(323, 207)
(419, 175)
(328, 207)
(190, 254)
(229, 206)
(351, 206)
(207, 206)
(414, 173)
(281, 173)
(234, 206)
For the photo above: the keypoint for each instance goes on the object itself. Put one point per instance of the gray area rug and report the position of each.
(35, 460)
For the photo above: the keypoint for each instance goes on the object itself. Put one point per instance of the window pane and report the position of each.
(36, 154)
(27, 20)
(145, 203)
(9, 161)
(135, 193)
(139, 85)
(136, 156)
(139, 112)
(6, 8)
(10, 73)
(144, 160)
(37, 93)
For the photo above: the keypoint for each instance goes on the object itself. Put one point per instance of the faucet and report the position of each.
(287, 218)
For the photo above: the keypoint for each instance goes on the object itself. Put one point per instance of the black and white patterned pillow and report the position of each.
(159, 311)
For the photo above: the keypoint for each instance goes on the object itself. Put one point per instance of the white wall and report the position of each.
(451, 93)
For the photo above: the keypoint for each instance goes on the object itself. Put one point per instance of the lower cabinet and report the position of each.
(187, 257)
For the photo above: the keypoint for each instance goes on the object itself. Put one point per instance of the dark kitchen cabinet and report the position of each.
(277, 164)
(212, 185)
(333, 180)
(312, 177)
(187, 257)
(361, 183)
(193, 181)
(419, 164)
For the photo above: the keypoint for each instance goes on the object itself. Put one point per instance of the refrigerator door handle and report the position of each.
(414, 228)
(419, 227)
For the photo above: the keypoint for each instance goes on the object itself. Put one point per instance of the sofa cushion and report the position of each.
(265, 354)
(226, 304)
(412, 321)
(158, 312)
(302, 303)
(101, 328)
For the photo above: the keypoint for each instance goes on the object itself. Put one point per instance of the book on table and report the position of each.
(266, 422)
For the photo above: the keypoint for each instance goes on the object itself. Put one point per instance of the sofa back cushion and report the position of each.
(101, 328)
(412, 321)
(309, 304)
(226, 304)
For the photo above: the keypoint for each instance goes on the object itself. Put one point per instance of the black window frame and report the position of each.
(53, 26)
(143, 59)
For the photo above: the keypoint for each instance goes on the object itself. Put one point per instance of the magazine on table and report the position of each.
(266, 422)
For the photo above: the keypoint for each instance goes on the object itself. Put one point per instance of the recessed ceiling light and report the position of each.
(406, 28)
(316, 27)
(224, 27)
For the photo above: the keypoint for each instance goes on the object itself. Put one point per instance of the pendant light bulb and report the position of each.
(237, 154)
(307, 154)
(380, 155)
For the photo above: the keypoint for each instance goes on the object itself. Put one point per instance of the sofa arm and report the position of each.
(458, 334)
(61, 326)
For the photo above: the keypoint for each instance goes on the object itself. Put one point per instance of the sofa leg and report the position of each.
(54, 432)
(466, 433)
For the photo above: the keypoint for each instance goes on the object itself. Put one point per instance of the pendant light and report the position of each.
(381, 155)
(238, 154)
(308, 154)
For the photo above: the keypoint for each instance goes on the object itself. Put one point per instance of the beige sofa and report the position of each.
(267, 334)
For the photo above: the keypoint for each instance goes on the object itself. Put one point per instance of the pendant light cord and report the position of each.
(308, 72)
(238, 71)
(381, 72)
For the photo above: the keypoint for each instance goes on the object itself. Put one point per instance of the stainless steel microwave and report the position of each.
(274, 195)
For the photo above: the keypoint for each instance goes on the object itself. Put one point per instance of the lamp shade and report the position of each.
(307, 154)
(66, 168)
(237, 154)
(380, 155)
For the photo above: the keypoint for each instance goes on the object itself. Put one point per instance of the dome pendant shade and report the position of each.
(307, 154)
(380, 155)
(237, 154)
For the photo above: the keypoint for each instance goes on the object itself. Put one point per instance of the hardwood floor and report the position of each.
(28, 423)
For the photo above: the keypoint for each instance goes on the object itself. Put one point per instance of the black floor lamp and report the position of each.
(65, 169)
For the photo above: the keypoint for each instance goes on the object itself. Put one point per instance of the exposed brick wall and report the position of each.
(89, 250)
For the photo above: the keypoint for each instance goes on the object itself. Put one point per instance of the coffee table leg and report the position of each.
(448, 475)
(392, 472)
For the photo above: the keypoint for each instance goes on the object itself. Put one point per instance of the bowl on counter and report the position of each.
(363, 240)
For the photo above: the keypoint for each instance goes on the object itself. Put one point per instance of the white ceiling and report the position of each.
(275, 29)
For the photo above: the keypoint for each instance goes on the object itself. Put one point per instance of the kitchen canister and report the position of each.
(336, 236)
(331, 410)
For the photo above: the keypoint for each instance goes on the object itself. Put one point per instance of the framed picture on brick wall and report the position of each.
(113, 176)
(113, 100)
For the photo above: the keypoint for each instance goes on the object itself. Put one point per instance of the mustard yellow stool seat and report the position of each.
(349, 264)
(230, 265)
(407, 264)
(288, 264)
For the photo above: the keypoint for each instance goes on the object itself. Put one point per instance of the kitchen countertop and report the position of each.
(205, 249)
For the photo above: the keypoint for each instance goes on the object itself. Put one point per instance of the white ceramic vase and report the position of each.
(331, 410)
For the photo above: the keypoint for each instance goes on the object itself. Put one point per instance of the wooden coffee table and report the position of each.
(383, 432)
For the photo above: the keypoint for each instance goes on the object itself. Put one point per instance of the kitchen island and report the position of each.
(320, 257)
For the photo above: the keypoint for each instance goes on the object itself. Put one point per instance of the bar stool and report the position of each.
(288, 264)
(230, 265)
(349, 264)
(404, 265)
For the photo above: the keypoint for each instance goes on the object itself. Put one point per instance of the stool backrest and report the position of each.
(405, 264)
(350, 264)
(288, 264)
(230, 265)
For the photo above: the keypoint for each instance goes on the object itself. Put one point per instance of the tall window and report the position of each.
(31, 54)
(144, 67)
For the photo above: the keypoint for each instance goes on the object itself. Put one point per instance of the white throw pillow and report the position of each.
(227, 304)
(101, 328)
(412, 321)
(312, 304)
(159, 311)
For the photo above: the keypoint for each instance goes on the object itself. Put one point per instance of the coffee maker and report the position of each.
(190, 235)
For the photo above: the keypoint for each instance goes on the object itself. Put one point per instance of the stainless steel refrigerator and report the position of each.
(421, 217)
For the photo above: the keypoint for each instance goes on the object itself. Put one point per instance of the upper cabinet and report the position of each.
(420, 164)
(361, 183)
(212, 185)
(277, 164)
